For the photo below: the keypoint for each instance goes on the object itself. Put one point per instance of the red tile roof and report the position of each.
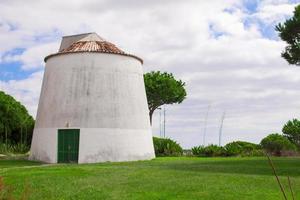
(92, 43)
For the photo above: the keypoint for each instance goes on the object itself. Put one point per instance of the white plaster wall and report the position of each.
(44, 145)
(97, 145)
(93, 90)
(103, 93)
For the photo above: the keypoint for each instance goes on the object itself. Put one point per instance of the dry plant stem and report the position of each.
(1, 184)
(278, 181)
(290, 185)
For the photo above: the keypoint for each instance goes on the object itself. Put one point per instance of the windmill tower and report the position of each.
(92, 106)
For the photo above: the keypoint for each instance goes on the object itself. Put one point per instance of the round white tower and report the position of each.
(93, 105)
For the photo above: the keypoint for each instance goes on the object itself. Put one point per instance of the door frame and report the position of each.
(57, 147)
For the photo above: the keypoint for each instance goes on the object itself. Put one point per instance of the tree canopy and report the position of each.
(289, 32)
(163, 88)
(16, 125)
(292, 131)
(276, 144)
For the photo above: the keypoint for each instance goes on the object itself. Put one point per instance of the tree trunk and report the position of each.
(21, 135)
(6, 139)
(150, 115)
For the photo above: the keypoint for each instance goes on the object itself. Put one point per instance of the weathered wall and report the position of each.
(103, 95)
(44, 145)
(107, 144)
(96, 145)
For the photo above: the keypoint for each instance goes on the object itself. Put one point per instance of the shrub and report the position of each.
(276, 144)
(14, 148)
(231, 149)
(208, 151)
(214, 150)
(241, 148)
(253, 153)
(166, 147)
(187, 152)
(198, 151)
(20, 148)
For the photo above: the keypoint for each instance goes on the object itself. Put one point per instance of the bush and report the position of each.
(214, 150)
(231, 149)
(198, 151)
(254, 153)
(187, 152)
(277, 144)
(14, 148)
(166, 147)
(209, 151)
(241, 148)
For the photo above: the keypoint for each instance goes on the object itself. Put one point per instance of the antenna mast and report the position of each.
(205, 124)
(221, 127)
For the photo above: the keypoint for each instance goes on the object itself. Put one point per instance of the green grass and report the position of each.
(162, 178)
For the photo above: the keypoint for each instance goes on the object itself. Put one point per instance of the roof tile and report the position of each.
(91, 43)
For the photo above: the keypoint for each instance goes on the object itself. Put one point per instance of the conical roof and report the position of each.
(88, 42)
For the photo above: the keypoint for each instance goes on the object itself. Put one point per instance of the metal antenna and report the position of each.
(164, 121)
(221, 127)
(160, 125)
(205, 123)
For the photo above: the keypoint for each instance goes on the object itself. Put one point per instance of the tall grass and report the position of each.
(14, 148)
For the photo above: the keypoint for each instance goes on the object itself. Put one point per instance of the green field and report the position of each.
(162, 178)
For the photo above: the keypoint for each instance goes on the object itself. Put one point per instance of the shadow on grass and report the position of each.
(8, 163)
(259, 166)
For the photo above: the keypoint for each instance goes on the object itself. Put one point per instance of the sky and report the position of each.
(227, 53)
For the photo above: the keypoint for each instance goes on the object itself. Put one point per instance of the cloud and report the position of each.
(33, 57)
(219, 48)
(271, 12)
(26, 91)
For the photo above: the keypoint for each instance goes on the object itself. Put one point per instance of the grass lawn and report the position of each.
(162, 178)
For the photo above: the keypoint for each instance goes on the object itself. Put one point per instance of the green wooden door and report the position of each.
(68, 145)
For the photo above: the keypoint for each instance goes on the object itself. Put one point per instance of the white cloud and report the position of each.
(26, 91)
(274, 11)
(32, 57)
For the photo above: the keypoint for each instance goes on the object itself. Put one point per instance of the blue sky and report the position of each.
(11, 70)
(226, 51)
(11, 66)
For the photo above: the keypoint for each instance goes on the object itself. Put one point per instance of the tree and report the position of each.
(16, 125)
(289, 32)
(162, 88)
(292, 131)
(276, 144)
